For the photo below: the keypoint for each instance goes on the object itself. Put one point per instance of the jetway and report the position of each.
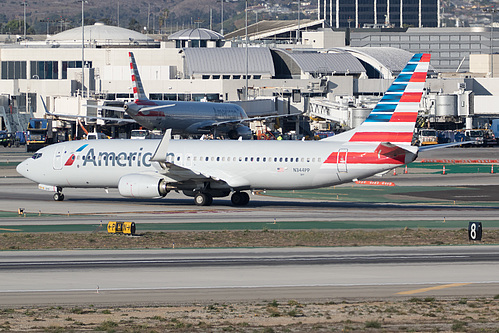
(346, 114)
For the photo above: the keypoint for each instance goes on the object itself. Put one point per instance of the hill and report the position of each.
(54, 16)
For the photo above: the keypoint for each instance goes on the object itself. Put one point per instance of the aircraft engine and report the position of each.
(142, 186)
(240, 131)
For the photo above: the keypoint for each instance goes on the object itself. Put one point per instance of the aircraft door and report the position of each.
(58, 157)
(342, 160)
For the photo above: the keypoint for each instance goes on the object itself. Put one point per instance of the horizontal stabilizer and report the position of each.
(391, 150)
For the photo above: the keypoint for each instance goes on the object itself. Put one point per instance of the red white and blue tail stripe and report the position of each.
(138, 89)
(394, 117)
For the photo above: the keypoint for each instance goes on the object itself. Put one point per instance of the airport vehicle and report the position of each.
(6, 138)
(39, 134)
(205, 169)
(427, 137)
(96, 136)
(140, 134)
(477, 137)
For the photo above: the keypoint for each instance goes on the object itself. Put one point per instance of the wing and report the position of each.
(180, 173)
(234, 121)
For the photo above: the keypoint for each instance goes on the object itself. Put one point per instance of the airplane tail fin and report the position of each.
(394, 117)
(138, 89)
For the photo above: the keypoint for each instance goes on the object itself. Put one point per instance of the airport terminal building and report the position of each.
(319, 75)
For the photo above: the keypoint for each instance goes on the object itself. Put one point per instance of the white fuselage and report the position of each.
(240, 164)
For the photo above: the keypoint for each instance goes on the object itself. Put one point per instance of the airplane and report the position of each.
(183, 117)
(218, 168)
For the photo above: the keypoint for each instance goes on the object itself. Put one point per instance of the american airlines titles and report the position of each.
(121, 159)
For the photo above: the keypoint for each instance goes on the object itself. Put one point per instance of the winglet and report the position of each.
(138, 89)
(162, 150)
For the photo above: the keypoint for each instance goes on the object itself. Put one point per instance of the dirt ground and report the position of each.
(410, 315)
(247, 238)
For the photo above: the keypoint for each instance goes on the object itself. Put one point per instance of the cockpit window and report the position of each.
(36, 155)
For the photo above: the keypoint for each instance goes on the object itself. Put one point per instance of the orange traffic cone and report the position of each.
(394, 172)
(443, 170)
(492, 169)
(405, 170)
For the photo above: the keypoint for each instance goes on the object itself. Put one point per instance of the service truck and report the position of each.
(39, 134)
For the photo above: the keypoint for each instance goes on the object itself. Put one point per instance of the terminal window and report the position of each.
(13, 70)
(44, 70)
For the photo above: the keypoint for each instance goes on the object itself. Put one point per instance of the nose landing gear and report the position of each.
(58, 196)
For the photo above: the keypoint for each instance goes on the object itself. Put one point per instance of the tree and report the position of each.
(17, 27)
(134, 25)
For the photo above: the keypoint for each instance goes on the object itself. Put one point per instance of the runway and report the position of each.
(219, 275)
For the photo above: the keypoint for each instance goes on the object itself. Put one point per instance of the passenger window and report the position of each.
(264, 159)
(245, 159)
(291, 159)
(258, 159)
(313, 159)
(286, 159)
(280, 159)
(275, 159)
(218, 159)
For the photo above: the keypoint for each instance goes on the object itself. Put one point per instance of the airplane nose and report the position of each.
(22, 168)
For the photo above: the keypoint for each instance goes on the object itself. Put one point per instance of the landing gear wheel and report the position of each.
(203, 199)
(240, 198)
(58, 196)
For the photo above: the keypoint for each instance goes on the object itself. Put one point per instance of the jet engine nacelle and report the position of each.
(240, 131)
(142, 186)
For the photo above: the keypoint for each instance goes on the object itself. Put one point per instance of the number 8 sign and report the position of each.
(475, 231)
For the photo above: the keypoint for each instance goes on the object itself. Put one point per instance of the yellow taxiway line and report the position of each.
(417, 291)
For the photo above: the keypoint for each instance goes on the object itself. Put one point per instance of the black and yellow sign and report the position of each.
(115, 227)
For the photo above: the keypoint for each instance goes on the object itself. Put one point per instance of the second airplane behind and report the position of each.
(184, 117)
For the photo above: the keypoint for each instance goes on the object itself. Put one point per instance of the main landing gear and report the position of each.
(58, 196)
(206, 199)
(240, 198)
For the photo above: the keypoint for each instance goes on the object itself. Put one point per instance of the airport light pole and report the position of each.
(24, 4)
(491, 11)
(247, 59)
(222, 18)
(83, 48)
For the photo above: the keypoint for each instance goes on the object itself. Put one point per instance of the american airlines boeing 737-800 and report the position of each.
(208, 169)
